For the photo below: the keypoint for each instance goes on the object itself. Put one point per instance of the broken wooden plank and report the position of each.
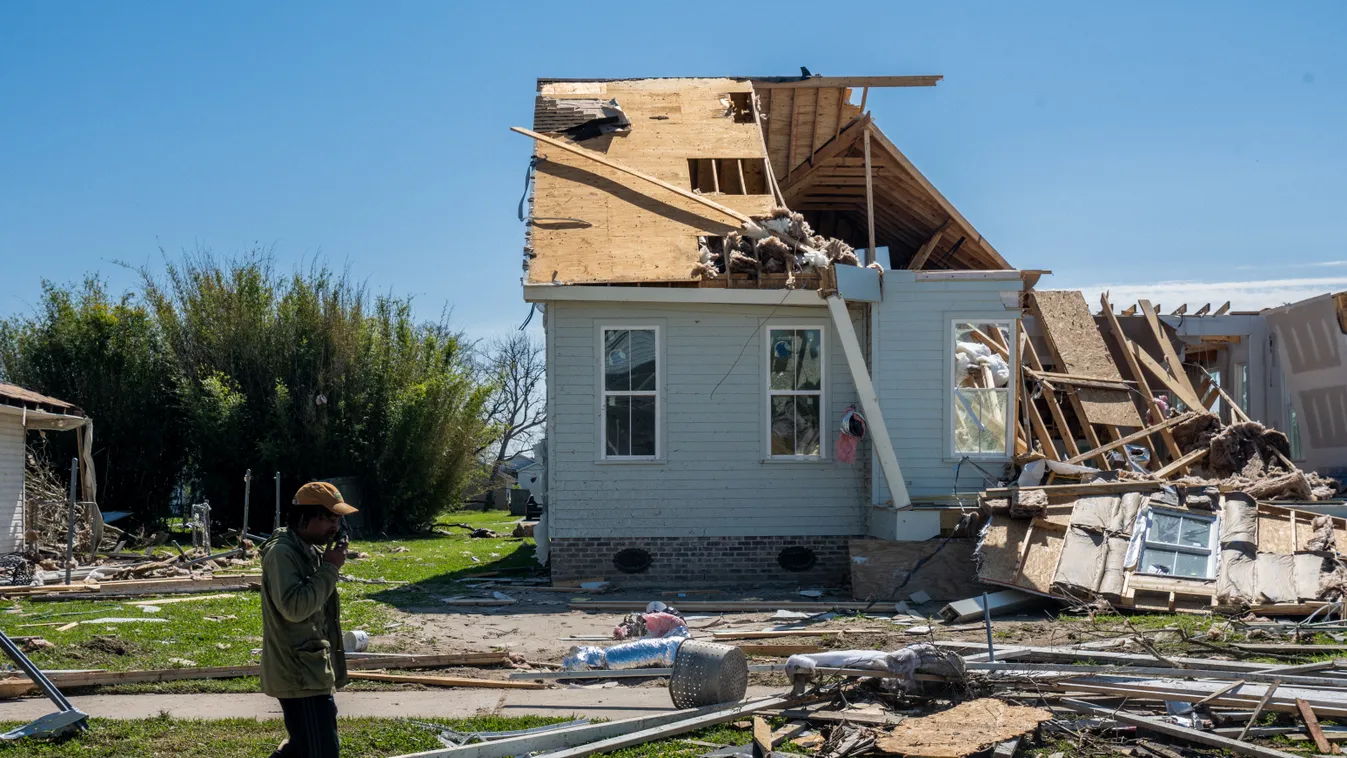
(1174, 730)
(448, 681)
(1185, 461)
(20, 685)
(762, 738)
(1072, 490)
(1133, 437)
(1134, 366)
(1312, 726)
(1222, 691)
(1166, 347)
(1050, 398)
(1267, 696)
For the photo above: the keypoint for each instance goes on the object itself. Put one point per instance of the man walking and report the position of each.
(303, 662)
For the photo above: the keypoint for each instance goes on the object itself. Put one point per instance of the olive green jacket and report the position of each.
(302, 653)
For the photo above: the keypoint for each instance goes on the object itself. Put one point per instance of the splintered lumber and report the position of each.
(1166, 347)
(1050, 399)
(21, 685)
(1138, 376)
(762, 737)
(1133, 437)
(1071, 490)
(1183, 392)
(1253, 718)
(449, 681)
(1321, 742)
(1185, 461)
(1231, 688)
(1174, 730)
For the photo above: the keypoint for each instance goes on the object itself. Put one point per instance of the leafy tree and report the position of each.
(109, 358)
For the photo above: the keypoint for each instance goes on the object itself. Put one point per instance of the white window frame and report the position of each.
(605, 393)
(1211, 550)
(769, 393)
(1012, 392)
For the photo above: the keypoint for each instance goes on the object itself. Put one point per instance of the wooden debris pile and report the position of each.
(1082, 417)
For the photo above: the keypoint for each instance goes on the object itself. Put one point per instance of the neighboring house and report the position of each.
(516, 463)
(23, 410)
(695, 396)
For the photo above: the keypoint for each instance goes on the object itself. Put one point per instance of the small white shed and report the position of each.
(20, 411)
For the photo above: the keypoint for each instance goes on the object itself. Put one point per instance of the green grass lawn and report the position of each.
(360, 738)
(226, 631)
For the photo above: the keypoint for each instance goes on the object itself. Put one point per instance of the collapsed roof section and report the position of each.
(748, 145)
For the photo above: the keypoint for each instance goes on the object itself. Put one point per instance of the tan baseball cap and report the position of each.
(324, 494)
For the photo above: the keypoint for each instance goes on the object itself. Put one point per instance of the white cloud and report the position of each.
(1316, 264)
(1243, 296)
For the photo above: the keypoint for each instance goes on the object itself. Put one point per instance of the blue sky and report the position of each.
(1196, 150)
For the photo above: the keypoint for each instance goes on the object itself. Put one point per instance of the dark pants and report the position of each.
(312, 725)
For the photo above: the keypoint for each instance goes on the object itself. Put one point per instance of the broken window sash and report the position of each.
(981, 395)
(630, 393)
(1178, 543)
(795, 365)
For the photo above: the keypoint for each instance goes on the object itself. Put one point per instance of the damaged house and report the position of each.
(776, 352)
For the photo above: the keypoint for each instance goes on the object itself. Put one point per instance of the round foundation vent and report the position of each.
(796, 558)
(633, 560)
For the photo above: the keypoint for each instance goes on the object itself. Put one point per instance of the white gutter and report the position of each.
(542, 293)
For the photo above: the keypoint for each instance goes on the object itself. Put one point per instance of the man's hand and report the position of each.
(336, 555)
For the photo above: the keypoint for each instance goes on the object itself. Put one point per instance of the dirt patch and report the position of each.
(103, 646)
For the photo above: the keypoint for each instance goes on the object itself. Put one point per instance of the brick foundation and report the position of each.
(702, 561)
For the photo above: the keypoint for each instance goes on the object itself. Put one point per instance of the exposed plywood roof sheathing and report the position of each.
(594, 224)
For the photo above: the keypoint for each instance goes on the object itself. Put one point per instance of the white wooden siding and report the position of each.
(12, 439)
(713, 478)
(911, 345)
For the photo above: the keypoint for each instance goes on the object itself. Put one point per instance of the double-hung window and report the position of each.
(630, 370)
(1180, 544)
(983, 366)
(795, 366)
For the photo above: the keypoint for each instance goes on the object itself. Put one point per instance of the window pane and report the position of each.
(643, 360)
(643, 425)
(617, 360)
(617, 425)
(1189, 564)
(784, 348)
(980, 421)
(1158, 561)
(1164, 528)
(783, 425)
(807, 425)
(809, 365)
(1195, 533)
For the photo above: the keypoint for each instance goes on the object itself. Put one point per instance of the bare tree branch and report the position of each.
(515, 366)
